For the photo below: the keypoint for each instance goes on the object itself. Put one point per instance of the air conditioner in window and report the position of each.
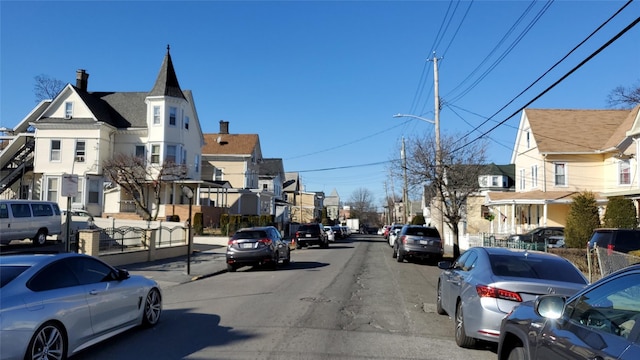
(79, 158)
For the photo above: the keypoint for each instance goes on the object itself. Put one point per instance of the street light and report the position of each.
(186, 191)
(436, 122)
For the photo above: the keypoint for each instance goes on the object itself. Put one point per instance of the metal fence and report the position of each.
(607, 261)
(490, 240)
(135, 235)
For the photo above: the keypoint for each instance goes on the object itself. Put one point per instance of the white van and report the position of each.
(29, 219)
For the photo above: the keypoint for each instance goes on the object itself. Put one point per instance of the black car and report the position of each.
(539, 236)
(620, 240)
(311, 234)
(257, 246)
(418, 242)
(602, 321)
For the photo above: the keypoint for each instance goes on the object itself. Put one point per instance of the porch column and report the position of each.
(544, 216)
(513, 217)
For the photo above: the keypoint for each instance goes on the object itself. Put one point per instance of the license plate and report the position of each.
(307, 235)
(247, 245)
(424, 242)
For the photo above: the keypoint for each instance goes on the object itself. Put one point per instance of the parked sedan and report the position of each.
(54, 305)
(600, 322)
(257, 246)
(394, 230)
(418, 242)
(331, 236)
(484, 284)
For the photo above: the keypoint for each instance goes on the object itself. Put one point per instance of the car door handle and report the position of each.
(94, 292)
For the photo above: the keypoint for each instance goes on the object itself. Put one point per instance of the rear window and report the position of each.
(41, 210)
(602, 238)
(308, 228)
(423, 231)
(627, 240)
(535, 268)
(8, 273)
(252, 234)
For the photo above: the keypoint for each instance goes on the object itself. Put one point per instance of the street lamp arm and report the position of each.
(415, 117)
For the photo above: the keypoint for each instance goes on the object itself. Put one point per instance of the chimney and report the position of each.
(82, 79)
(224, 127)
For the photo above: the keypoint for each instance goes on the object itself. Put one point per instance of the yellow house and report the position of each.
(559, 153)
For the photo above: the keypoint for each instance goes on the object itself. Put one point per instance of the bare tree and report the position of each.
(47, 87)
(362, 206)
(141, 181)
(622, 97)
(453, 182)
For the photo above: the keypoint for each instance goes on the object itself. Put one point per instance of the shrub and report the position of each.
(620, 213)
(583, 217)
(197, 223)
(418, 220)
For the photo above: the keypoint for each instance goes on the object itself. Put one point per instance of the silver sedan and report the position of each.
(484, 284)
(54, 305)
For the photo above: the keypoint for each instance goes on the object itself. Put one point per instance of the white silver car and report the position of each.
(330, 234)
(54, 305)
(484, 284)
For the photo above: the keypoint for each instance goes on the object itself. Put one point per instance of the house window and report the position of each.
(534, 176)
(52, 189)
(140, 153)
(78, 198)
(56, 146)
(184, 157)
(522, 179)
(173, 111)
(265, 187)
(495, 181)
(94, 191)
(80, 152)
(528, 140)
(68, 110)
(624, 172)
(560, 174)
(186, 123)
(155, 154)
(156, 114)
(197, 164)
(171, 154)
(218, 174)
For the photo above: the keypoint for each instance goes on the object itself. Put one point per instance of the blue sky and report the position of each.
(319, 81)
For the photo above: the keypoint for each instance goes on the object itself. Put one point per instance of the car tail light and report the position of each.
(488, 291)
(403, 239)
(265, 242)
(232, 242)
(297, 234)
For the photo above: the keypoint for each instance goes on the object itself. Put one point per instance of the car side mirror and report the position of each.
(123, 274)
(549, 306)
(444, 265)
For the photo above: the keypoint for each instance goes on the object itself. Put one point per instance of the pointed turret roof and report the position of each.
(167, 81)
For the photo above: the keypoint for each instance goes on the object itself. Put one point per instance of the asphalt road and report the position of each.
(351, 301)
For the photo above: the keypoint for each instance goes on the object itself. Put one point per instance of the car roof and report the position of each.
(515, 252)
(33, 259)
(255, 228)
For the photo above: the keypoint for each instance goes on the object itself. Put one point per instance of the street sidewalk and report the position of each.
(207, 259)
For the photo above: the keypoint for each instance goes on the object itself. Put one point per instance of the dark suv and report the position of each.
(257, 246)
(621, 240)
(418, 242)
(311, 234)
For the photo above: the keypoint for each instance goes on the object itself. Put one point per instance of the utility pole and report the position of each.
(439, 169)
(405, 202)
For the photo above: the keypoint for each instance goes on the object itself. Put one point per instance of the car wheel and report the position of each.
(40, 238)
(517, 353)
(231, 268)
(395, 253)
(439, 308)
(399, 255)
(325, 245)
(461, 337)
(152, 308)
(48, 341)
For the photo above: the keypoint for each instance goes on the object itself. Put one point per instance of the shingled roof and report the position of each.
(229, 144)
(167, 81)
(577, 131)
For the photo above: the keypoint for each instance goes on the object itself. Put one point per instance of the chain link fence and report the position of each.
(603, 261)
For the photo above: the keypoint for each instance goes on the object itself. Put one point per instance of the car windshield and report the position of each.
(535, 268)
(8, 273)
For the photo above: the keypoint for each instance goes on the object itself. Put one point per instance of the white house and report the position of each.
(79, 129)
